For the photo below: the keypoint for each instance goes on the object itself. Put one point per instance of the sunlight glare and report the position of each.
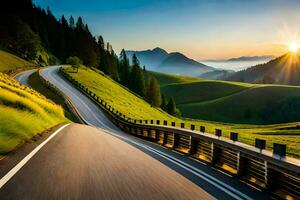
(293, 47)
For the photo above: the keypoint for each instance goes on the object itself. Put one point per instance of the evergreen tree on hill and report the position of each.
(172, 109)
(153, 92)
(164, 102)
(124, 68)
(137, 81)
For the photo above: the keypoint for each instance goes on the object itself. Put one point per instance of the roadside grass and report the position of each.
(35, 82)
(11, 62)
(24, 113)
(121, 99)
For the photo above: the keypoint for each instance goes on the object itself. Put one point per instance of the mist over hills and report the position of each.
(282, 70)
(242, 59)
(158, 59)
(252, 58)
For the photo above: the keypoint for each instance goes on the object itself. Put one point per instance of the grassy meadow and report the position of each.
(24, 113)
(134, 107)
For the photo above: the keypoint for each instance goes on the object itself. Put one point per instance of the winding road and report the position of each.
(100, 161)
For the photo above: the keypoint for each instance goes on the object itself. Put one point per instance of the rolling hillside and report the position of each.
(126, 102)
(233, 102)
(11, 62)
(24, 113)
(282, 70)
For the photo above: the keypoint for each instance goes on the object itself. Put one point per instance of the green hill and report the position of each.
(24, 113)
(233, 102)
(11, 62)
(133, 106)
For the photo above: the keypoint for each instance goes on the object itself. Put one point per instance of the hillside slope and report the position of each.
(24, 113)
(282, 70)
(233, 102)
(11, 62)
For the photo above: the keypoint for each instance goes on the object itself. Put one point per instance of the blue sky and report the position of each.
(202, 29)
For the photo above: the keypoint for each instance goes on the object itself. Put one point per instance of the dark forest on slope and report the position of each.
(31, 32)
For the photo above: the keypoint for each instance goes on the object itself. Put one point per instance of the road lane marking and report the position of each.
(16, 168)
(210, 179)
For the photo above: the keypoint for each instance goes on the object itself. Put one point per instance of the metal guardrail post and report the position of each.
(202, 129)
(193, 146)
(181, 125)
(234, 136)
(192, 127)
(279, 150)
(218, 132)
(261, 144)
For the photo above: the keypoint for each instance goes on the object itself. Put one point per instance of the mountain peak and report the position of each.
(160, 50)
(158, 59)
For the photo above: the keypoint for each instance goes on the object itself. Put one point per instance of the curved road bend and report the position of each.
(23, 76)
(215, 183)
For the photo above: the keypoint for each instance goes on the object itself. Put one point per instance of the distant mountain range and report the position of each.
(251, 58)
(158, 59)
(282, 70)
(243, 59)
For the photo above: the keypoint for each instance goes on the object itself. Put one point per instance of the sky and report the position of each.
(201, 29)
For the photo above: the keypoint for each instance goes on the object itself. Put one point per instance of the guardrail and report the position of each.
(271, 171)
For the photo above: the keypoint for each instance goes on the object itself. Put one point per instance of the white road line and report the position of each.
(210, 179)
(14, 170)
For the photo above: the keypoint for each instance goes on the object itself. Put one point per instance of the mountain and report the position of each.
(158, 59)
(282, 70)
(149, 58)
(242, 59)
(251, 58)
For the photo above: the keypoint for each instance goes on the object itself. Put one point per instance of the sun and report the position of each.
(294, 47)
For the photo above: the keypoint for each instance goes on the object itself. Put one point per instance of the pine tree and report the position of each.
(124, 68)
(153, 92)
(80, 24)
(64, 22)
(137, 81)
(163, 101)
(72, 22)
(171, 106)
(172, 109)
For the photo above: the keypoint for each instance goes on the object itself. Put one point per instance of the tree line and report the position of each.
(36, 34)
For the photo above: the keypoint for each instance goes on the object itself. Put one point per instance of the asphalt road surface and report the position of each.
(23, 77)
(94, 162)
(82, 162)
